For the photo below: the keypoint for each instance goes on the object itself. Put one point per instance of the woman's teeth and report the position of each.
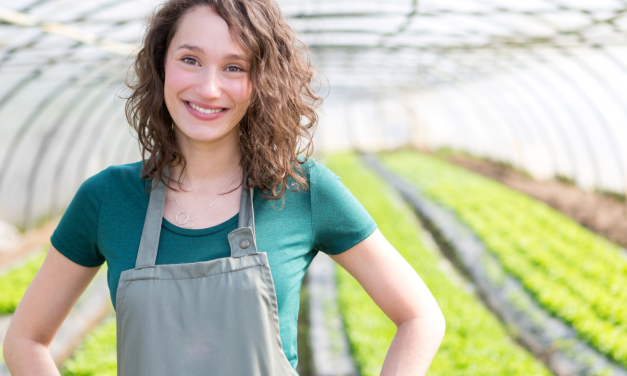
(205, 110)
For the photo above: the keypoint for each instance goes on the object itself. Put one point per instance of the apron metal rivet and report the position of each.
(244, 243)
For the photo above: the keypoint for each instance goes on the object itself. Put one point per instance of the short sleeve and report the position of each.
(76, 236)
(339, 221)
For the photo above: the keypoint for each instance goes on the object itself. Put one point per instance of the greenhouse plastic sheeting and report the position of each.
(538, 84)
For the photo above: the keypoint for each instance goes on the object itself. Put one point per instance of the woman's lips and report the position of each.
(203, 116)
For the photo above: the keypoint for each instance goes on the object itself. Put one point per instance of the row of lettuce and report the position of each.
(573, 273)
(97, 353)
(475, 342)
(14, 282)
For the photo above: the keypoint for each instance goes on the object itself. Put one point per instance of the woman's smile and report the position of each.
(205, 112)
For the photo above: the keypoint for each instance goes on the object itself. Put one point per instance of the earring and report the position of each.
(172, 125)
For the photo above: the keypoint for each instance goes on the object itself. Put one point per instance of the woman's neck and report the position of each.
(207, 162)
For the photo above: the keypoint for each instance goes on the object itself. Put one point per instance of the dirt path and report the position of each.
(601, 214)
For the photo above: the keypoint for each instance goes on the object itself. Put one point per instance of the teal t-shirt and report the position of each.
(105, 219)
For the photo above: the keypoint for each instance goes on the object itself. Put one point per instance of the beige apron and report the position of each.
(217, 317)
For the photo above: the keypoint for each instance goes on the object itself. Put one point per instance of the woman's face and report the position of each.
(207, 86)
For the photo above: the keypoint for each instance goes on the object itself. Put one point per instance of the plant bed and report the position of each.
(547, 337)
(475, 342)
(15, 281)
(571, 272)
(97, 355)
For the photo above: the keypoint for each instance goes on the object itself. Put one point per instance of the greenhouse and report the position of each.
(487, 139)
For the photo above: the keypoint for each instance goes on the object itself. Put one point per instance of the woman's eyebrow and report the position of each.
(201, 51)
(192, 48)
(234, 57)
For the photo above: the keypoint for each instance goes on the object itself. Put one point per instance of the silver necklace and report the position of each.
(183, 211)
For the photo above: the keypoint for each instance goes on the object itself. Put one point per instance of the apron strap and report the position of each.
(242, 240)
(147, 254)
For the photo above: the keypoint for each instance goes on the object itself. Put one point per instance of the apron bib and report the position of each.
(217, 317)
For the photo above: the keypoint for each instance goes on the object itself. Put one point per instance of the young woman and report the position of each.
(208, 238)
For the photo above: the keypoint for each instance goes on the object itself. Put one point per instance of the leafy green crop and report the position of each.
(575, 274)
(475, 342)
(97, 356)
(13, 284)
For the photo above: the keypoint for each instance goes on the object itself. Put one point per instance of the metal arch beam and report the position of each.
(442, 90)
(570, 111)
(403, 27)
(88, 151)
(590, 103)
(30, 120)
(32, 6)
(505, 112)
(39, 36)
(459, 84)
(502, 106)
(431, 14)
(36, 73)
(23, 19)
(26, 125)
(572, 160)
(76, 132)
(48, 139)
(525, 122)
(532, 122)
(115, 148)
(616, 98)
(551, 114)
(128, 149)
(19, 86)
(515, 32)
(458, 114)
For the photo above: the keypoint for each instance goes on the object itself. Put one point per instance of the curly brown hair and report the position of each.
(281, 118)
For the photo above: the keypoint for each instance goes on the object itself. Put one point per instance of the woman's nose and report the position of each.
(209, 85)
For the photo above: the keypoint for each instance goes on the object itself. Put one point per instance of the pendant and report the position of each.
(186, 219)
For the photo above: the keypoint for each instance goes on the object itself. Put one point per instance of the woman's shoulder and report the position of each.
(313, 170)
(120, 178)
(318, 176)
(128, 171)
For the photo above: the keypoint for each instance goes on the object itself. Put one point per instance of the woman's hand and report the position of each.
(400, 293)
(48, 300)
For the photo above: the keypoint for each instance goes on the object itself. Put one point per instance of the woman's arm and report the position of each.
(48, 300)
(400, 293)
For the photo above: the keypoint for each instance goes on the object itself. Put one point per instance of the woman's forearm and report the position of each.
(28, 358)
(414, 346)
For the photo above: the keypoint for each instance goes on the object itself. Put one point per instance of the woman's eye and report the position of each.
(188, 59)
(234, 69)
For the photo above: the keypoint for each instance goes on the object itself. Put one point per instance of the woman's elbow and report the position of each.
(439, 323)
(431, 321)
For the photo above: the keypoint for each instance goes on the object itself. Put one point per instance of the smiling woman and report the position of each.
(204, 269)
